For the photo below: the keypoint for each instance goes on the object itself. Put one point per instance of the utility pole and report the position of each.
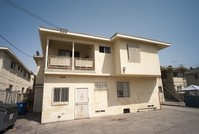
(174, 62)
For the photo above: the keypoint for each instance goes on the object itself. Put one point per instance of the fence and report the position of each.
(7, 96)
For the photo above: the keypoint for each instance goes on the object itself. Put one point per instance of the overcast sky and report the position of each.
(173, 21)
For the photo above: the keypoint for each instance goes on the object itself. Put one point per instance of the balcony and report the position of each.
(64, 62)
(59, 62)
(84, 64)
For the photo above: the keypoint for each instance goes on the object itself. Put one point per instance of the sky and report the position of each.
(173, 21)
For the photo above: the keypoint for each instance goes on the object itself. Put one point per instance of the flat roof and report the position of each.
(160, 44)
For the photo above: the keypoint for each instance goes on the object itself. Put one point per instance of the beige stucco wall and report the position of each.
(40, 71)
(38, 90)
(140, 96)
(104, 63)
(149, 64)
(9, 76)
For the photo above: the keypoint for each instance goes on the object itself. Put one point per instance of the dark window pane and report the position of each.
(107, 49)
(101, 49)
(57, 94)
(64, 95)
(123, 89)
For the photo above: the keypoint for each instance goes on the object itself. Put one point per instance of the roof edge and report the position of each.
(10, 51)
(116, 35)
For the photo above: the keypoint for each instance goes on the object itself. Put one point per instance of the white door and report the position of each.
(81, 103)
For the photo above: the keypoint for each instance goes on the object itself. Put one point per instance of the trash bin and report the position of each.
(191, 101)
(8, 115)
(22, 108)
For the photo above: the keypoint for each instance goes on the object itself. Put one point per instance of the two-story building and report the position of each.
(81, 76)
(15, 77)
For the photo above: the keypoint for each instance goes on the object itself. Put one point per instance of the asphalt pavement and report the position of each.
(168, 120)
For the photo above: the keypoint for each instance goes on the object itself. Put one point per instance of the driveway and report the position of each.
(169, 120)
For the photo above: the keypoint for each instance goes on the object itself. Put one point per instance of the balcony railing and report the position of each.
(84, 64)
(63, 62)
(59, 62)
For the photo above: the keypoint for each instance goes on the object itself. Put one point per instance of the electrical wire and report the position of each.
(29, 13)
(15, 46)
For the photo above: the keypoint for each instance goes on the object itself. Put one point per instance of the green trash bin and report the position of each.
(8, 115)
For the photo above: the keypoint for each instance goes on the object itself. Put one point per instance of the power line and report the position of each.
(14, 46)
(29, 13)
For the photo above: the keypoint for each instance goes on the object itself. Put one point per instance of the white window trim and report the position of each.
(59, 103)
(101, 88)
(129, 94)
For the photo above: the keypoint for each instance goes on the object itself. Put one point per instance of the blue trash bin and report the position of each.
(22, 108)
(191, 101)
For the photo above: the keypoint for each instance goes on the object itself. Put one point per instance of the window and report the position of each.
(13, 65)
(123, 89)
(63, 52)
(178, 74)
(24, 73)
(76, 54)
(160, 89)
(19, 68)
(103, 49)
(100, 85)
(60, 95)
(179, 87)
(133, 52)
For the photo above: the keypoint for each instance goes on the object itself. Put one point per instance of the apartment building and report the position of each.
(82, 76)
(192, 76)
(15, 77)
(173, 79)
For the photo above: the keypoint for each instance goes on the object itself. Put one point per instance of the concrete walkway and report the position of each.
(169, 120)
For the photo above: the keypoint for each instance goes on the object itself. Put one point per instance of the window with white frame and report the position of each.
(100, 85)
(123, 89)
(60, 95)
(133, 52)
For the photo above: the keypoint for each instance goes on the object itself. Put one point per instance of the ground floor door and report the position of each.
(81, 103)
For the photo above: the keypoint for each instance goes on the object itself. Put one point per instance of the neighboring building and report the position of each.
(173, 79)
(15, 77)
(81, 76)
(192, 76)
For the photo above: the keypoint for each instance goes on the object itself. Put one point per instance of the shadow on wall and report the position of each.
(141, 91)
(107, 66)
